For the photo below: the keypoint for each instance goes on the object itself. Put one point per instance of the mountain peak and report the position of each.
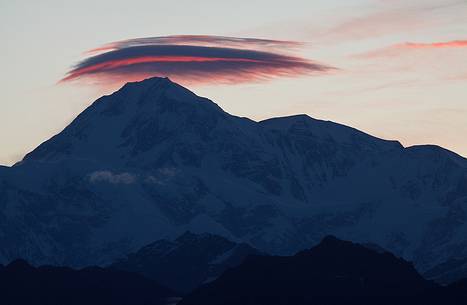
(154, 90)
(150, 81)
(331, 240)
(192, 259)
(152, 84)
(331, 244)
(129, 121)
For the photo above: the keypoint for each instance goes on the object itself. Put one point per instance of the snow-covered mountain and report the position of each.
(153, 160)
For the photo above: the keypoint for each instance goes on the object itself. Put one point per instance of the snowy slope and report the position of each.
(153, 160)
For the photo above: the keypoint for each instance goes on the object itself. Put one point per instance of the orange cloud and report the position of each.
(433, 45)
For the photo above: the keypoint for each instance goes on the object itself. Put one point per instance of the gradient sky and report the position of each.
(401, 65)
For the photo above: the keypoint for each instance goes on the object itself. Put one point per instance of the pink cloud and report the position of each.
(391, 17)
(433, 45)
(193, 59)
(398, 49)
(201, 40)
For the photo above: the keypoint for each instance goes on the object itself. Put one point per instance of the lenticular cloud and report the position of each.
(193, 59)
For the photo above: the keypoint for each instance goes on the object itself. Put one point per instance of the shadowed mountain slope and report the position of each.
(333, 272)
(188, 261)
(153, 160)
(20, 283)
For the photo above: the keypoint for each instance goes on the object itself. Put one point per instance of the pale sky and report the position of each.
(401, 65)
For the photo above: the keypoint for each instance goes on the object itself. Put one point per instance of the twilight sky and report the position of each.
(396, 69)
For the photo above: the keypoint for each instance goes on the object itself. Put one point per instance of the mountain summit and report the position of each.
(153, 160)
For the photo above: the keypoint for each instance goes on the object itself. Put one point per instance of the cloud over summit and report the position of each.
(194, 59)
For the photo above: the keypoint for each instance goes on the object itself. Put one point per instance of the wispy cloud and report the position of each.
(433, 45)
(200, 40)
(110, 177)
(160, 176)
(194, 59)
(394, 17)
(398, 49)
